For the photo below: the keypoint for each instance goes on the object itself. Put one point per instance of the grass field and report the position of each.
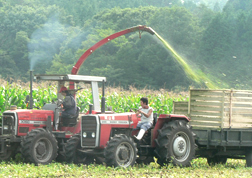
(199, 169)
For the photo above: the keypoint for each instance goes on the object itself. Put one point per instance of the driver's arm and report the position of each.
(146, 114)
(67, 103)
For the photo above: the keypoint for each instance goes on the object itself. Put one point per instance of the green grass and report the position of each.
(199, 169)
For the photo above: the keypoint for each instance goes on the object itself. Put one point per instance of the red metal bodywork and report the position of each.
(171, 116)
(110, 121)
(118, 120)
(32, 119)
(70, 131)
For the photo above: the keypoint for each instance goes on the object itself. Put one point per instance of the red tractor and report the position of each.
(107, 137)
(39, 135)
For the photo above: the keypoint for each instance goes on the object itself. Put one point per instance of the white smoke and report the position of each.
(45, 42)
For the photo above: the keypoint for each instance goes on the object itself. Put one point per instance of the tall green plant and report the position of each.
(119, 101)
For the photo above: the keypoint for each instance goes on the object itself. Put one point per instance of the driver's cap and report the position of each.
(62, 89)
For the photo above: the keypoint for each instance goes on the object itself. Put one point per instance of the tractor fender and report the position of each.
(162, 119)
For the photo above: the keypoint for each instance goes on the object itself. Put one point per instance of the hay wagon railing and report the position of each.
(217, 108)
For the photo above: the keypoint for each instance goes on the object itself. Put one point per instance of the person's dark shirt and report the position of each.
(69, 105)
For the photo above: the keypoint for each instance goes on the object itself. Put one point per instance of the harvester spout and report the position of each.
(139, 28)
(150, 30)
(143, 28)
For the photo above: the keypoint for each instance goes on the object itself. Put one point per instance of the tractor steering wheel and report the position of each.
(59, 102)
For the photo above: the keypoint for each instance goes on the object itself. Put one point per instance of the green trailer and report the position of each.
(222, 122)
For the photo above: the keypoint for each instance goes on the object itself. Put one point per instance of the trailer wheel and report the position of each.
(216, 160)
(249, 159)
(39, 147)
(121, 151)
(175, 144)
(146, 160)
(72, 155)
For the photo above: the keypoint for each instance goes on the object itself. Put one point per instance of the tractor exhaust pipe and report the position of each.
(31, 99)
(103, 98)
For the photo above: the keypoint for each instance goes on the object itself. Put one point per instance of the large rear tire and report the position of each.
(39, 147)
(175, 144)
(72, 155)
(121, 151)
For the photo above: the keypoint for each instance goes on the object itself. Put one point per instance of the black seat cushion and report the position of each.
(70, 120)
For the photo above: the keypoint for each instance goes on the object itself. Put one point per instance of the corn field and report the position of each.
(118, 99)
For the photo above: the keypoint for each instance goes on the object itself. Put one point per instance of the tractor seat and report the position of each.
(71, 120)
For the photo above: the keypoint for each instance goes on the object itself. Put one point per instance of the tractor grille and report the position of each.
(8, 123)
(90, 126)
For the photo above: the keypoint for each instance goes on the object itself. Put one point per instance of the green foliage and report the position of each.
(43, 95)
(54, 34)
(199, 168)
(12, 96)
(119, 100)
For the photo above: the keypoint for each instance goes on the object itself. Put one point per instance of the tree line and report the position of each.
(49, 36)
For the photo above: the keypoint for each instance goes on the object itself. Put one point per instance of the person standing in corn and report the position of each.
(146, 117)
(69, 105)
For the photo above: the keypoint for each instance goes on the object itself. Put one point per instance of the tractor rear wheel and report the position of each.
(175, 144)
(39, 147)
(121, 151)
(72, 155)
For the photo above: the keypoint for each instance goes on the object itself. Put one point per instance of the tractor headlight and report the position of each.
(84, 134)
(93, 134)
(6, 127)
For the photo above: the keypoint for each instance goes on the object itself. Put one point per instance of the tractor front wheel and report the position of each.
(175, 144)
(11, 151)
(7, 156)
(39, 147)
(146, 160)
(121, 151)
(72, 155)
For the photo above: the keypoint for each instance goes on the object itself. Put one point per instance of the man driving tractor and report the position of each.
(69, 107)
